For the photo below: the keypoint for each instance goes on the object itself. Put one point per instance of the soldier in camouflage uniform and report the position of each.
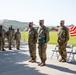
(13, 37)
(32, 39)
(9, 37)
(2, 37)
(13, 33)
(17, 38)
(63, 37)
(43, 38)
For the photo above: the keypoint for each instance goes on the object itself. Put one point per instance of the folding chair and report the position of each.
(55, 51)
(69, 50)
(73, 55)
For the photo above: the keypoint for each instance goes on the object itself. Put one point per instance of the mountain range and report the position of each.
(15, 24)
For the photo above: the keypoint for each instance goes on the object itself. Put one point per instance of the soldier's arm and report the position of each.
(67, 35)
(46, 35)
(20, 35)
(36, 35)
(4, 34)
(15, 36)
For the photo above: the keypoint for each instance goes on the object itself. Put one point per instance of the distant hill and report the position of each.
(15, 24)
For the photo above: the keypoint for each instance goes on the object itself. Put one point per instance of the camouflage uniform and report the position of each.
(13, 37)
(32, 39)
(43, 33)
(17, 38)
(63, 37)
(9, 37)
(2, 37)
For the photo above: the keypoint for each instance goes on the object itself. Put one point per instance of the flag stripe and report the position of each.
(72, 30)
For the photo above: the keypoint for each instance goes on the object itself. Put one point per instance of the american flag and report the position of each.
(72, 30)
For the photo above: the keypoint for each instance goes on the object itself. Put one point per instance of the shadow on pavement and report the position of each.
(72, 62)
(13, 56)
(61, 68)
(11, 64)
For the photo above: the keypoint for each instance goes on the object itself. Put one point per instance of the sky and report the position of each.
(52, 11)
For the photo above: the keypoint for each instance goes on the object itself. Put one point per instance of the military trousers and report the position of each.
(1, 43)
(32, 50)
(42, 52)
(9, 42)
(62, 51)
(17, 44)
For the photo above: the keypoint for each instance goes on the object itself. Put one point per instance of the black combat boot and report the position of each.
(3, 49)
(18, 49)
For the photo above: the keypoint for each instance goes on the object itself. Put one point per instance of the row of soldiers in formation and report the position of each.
(10, 35)
(42, 35)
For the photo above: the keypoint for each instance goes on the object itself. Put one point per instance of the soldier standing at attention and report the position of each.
(63, 37)
(13, 33)
(17, 38)
(13, 37)
(2, 37)
(43, 38)
(32, 40)
(9, 37)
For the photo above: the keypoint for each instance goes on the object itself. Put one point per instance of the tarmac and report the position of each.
(15, 62)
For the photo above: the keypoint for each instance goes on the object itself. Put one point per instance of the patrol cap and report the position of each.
(41, 21)
(18, 29)
(9, 28)
(30, 22)
(62, 21)
(1, 26)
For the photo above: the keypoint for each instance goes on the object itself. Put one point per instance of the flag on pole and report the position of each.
(72, 30)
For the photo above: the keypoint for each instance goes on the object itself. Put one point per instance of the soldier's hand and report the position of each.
(65, 43)
(35, 42)
(45, 44)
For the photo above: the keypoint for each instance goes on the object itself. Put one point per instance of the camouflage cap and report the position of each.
(30, 22)
(41, 20)
(62, 21)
